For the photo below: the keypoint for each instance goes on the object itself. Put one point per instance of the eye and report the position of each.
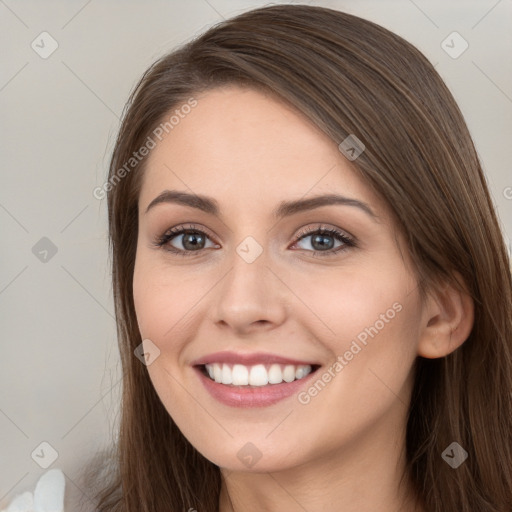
(190, 238)
(194, 240)
(323, 240)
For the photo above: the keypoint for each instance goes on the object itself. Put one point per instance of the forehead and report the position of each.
(243, 146)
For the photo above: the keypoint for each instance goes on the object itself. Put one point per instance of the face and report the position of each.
(305, 312)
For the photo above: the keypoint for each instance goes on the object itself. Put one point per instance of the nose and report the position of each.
(250, 297)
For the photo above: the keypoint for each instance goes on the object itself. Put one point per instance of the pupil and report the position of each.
(192, 240)
(323, 241)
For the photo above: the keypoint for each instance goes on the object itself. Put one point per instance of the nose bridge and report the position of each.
(249, 292)
(247, 279)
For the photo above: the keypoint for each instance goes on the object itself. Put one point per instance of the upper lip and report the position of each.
(247, 359)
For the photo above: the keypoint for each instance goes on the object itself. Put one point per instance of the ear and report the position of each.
(447, 320)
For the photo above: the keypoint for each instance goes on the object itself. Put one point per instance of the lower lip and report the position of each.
(247, 396)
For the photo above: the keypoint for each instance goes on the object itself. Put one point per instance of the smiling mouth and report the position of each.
(257, 375)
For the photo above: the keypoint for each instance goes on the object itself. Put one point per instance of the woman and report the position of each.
(312, 291)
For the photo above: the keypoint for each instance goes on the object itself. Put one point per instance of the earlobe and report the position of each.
(447, 321)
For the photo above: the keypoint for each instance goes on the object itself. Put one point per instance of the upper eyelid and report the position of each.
(309, 230)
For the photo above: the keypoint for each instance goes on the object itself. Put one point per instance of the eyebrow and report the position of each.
(284, 209)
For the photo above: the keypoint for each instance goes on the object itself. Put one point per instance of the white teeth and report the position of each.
(257, 375)
(227, 377)
(239, 375)
(217, 373)
(275, 375)
(289, 373)
(299, 373)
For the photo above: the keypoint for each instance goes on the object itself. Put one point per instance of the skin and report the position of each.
(342, 450)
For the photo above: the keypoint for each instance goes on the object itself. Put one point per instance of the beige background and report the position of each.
(59, 374)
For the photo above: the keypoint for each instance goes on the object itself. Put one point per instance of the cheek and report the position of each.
(375, 324)
(163, 301)
(363, 303)
(369, 323)
(163, 298)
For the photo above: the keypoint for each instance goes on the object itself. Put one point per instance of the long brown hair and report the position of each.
(348, 76)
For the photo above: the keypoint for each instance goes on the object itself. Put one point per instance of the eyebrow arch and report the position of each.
(284, 209)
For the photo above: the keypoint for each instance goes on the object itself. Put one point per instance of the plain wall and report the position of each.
(59, 370)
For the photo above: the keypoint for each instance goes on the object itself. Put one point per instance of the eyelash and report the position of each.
(348, 242)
